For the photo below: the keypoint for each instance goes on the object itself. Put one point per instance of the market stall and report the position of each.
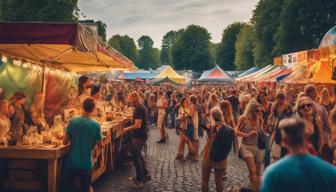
(41, 60)
(216, 75)
(169, 75)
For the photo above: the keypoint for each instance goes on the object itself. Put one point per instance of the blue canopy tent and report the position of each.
(145, 75)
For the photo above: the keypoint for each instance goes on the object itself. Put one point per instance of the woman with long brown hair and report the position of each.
(227, 113)
(184, 115)
(280, 110)
(210, 159)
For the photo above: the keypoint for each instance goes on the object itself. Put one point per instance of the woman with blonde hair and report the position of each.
(325, 100)
(213, 101)
(251, 150)
(226, 108)
(314, 134)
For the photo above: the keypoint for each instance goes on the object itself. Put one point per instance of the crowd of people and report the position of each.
(266, 126)
(253, 115)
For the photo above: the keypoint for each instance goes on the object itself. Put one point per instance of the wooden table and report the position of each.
(51, 155)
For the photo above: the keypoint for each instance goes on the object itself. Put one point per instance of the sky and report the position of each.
(156, 17)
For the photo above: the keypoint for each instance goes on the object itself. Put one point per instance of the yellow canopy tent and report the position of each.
(171, 74)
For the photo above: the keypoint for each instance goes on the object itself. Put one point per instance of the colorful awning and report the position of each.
(69, 46)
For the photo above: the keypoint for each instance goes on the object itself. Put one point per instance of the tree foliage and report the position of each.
(244, 48)
(149, 56)
(125, 45)
(266, 19)
(303, 24)
(37, 10)
(167, 43)
(101, 27)
(226, 51)
(192, 49)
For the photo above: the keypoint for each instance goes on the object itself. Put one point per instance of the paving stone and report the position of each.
(169, 175)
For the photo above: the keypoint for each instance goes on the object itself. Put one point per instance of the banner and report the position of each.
(29, 81)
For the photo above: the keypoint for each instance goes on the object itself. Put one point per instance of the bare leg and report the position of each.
(253, 172)
(205, 177)
(196, 148)
(219, 180)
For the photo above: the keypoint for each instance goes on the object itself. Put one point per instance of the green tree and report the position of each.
(149, 56)
(244, 48)
(303, 24)
(167, 42)
(145, 41)
(37, 10)
(125, 45)
(266, 19)
(192, 49)
(101, 26)
(226, 50)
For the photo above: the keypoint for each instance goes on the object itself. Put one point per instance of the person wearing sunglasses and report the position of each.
(314, 133)
(280, 110)
(249, 124)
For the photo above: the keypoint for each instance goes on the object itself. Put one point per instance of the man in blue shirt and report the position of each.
(83, 133)
(298, 171)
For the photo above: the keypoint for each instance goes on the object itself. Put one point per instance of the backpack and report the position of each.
(222, 145)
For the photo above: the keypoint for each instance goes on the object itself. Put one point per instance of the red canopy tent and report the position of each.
(216, 74)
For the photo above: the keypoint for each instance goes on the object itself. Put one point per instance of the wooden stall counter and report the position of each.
(24, 162)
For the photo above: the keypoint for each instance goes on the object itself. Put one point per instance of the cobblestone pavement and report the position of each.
(168, 175)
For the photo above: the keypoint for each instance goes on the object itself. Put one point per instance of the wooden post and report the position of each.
(52, 175)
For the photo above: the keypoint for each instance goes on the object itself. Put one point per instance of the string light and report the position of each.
(17, 62)
(4, 59)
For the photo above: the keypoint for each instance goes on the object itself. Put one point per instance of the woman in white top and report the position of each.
(4, 121)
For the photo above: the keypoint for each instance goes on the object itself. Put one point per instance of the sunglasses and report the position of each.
(305, 106)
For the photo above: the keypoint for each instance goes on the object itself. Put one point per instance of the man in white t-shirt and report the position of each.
(161, 106)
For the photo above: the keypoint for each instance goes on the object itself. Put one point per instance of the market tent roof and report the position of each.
(254, 73)
(138, 74)
(322, 74)
(249, 71)
(69, 46)
(216, 74)
(270, 71)
(272, 77)
(299, 75)
(165, 80)
(171, 75)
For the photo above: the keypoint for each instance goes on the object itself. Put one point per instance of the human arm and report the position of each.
(135, 126)
(98, 137)
(68, 133)
(66, 139)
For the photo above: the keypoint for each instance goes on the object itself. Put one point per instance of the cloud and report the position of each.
(156, 17)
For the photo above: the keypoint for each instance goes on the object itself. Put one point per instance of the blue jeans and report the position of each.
(172, 119)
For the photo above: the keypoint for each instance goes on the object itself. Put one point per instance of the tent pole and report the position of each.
(43, 77)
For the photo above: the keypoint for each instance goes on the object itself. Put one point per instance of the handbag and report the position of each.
(189, 131)
(261, 140)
